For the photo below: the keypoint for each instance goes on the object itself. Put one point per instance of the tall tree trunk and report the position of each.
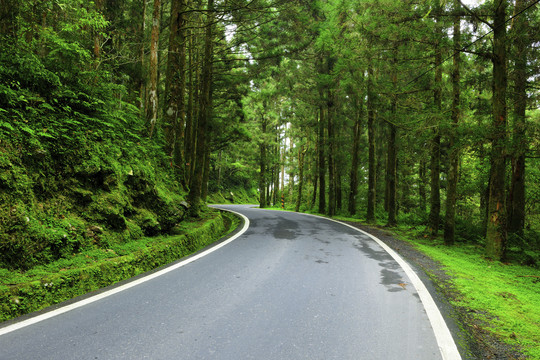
(435, 163)
(422, 181)
(206, 174)
(97, 36)
(315, 177)
(189, 142)
(331, 161)
(355, 162)
(205, 113)
(353, 191)
(372, 166)
(391, 170)
(282, 187)
(451, 189)
(152, 88)
(301, 157)
(142, 85)
(339, 189)
(262, 163)
(516, 198)
(391, 173)
(174, 111)
(496, 222)
(322, 163)
(276, 167)
(9, 10)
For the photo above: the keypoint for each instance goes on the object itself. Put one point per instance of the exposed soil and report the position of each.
(474, 341)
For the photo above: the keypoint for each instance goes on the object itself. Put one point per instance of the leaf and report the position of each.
(28, 130)
(47, 106)
(7, 125)
(47, 135)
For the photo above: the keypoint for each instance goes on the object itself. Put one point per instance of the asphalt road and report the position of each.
(291, 287)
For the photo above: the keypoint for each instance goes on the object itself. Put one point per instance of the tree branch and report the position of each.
(475, 15)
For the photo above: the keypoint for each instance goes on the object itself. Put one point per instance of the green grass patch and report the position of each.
(505, 297)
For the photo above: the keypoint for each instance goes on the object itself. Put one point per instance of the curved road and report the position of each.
(292, 286)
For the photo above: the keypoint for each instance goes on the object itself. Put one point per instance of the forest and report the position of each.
(121, 119)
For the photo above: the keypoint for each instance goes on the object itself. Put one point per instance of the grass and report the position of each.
(505, 297)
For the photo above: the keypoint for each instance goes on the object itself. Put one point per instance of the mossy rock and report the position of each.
(147, 222)
(109, 208)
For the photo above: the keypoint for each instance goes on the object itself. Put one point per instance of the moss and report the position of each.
(503, 297)
(109, 208)
(147, 221)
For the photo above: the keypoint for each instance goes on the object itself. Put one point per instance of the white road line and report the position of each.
(445, 341)
(81, 303)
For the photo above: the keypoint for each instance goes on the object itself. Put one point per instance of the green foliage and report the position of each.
(71, 152)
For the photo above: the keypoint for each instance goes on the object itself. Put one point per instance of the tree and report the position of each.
(435, 164)
(205, 113)
(516, 196)
(174, 109)
(152, 111)
(451, 195)
(496, 226)
(372, 168)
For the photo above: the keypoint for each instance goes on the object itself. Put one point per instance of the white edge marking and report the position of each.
(81, 303)
(445, 341)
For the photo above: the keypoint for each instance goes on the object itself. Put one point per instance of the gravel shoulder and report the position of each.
(473, 341)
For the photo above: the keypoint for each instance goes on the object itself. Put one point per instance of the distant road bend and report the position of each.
(290, 286)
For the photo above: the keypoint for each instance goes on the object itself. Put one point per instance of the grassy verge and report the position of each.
(503, 299)
(42, 286)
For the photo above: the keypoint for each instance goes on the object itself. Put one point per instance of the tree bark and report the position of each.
(301, 157)
(142, 85)
(9, 10)
(422, 181)
(435, 163)
(451, 191)
(205, 113)
(391, 173)
(189, 141)
(322, 163)
(174, 111)
(152, 113)
(275, 169)
(315, 178)
(372, 166)
(516, 198)
(331, 161)
(496, 221)
(355, 161)
(262, 164)
(282, 163)
(391, 170)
